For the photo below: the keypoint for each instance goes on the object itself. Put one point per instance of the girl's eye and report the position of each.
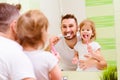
(82, 29)
(88, 30)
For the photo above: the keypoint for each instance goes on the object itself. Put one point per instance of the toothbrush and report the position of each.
(53, 50)
(87, 39)
(87, 42)
(88, 46)
(61, 36)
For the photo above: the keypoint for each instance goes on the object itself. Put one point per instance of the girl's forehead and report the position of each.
(86, 26)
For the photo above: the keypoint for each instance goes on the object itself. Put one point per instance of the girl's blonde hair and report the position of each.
(29, 28)
(91, 24)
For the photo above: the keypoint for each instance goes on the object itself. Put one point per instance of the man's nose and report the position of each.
(68, 29)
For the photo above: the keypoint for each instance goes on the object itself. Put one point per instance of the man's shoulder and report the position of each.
(60, 42)
(61, 45)
(9, 46)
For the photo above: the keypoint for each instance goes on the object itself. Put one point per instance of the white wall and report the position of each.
(117, 30)
(51, 8)
(54, 9)
(76, 7)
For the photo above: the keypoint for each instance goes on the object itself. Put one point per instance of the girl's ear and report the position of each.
(92, 34)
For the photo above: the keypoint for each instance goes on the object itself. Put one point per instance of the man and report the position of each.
(14, 64)
(65, 45)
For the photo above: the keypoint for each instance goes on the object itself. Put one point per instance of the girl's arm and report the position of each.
(55, 73)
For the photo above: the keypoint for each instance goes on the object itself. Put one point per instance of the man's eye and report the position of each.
(63, 26)
(70, 25)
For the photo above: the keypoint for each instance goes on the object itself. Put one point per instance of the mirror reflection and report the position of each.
(102, 15)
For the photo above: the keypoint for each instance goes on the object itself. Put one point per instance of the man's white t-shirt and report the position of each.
(66, 54)
(14, 64)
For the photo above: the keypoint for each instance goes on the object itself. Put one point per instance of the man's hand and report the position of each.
(84, 64)
(53, 40)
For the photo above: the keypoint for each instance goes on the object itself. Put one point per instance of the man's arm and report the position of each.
(95, 60)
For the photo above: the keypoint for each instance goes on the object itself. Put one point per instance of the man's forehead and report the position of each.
(68, 21)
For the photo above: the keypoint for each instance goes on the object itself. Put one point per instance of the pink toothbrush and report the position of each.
(53, 50)
(86, 37)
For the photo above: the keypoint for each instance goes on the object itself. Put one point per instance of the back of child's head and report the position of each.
(30, 28)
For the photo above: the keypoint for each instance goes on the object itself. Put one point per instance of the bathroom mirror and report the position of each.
(101, 12)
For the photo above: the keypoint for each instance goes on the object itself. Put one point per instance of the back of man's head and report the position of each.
(8, 13)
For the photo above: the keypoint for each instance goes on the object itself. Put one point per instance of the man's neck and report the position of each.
(6, 36)
(3, 34)
(71, 43)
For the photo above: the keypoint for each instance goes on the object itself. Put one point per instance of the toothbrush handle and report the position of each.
(53, 50)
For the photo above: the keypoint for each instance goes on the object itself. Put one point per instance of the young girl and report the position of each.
(32, 34)
(88, 47)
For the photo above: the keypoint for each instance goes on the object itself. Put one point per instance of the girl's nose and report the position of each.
(85, 31)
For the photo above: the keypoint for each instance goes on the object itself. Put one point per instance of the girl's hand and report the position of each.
(74, 60)
(89, 48)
